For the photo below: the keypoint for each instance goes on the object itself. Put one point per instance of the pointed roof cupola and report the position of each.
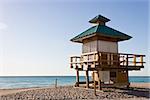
(101, 20)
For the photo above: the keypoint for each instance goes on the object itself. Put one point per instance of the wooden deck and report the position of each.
(106, 60)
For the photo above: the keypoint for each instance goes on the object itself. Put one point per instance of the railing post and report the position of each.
(141, 60)
(123, 60)
(99, 58)
(127, 61)
(109, 58)
(71, 66)
(112, 60)
(94, 57)
(76, 59)
(134, 61)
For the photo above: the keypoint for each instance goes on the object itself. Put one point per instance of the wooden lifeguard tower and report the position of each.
(100, 56)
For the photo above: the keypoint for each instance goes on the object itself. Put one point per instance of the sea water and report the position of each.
(46, 81)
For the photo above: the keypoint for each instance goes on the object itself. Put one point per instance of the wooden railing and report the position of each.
(106, 59)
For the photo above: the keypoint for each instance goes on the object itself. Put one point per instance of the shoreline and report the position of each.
(141, 91)
(132, 84)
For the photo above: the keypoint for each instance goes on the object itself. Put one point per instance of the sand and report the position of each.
(140, 85)
(10, 91)
(72, 93)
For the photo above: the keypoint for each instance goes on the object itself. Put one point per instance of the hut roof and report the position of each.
(101, 30)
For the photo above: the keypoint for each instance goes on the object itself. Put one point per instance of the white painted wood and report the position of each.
(100, 45)
(107, 46)
(104, 76)
(89, 47)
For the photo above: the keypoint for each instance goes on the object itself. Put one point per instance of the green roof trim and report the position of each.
(102, 30)
(98, 19)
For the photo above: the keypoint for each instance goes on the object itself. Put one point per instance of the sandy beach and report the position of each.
(140, 85)
(73, 93)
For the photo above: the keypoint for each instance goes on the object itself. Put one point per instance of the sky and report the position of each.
(35, 34)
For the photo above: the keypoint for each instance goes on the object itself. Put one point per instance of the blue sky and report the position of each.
(34, 35)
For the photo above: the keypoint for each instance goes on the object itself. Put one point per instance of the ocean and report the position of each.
(7, 82)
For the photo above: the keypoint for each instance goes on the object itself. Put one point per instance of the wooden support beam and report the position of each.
(94, 84)
(127, 71)
(77, 79)
(87, 79)
(127, 78)
(99, 81)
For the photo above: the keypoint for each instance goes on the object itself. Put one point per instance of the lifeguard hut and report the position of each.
(100, 56)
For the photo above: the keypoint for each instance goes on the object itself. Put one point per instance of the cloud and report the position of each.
(3, 26)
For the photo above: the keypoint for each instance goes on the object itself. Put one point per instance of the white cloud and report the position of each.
(3, 26)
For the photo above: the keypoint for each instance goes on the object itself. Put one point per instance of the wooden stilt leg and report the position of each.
(94, 84)
(127, 72)
(100, 86)
(127, 79)
(87, 79)
(99, 82)
(77, 79)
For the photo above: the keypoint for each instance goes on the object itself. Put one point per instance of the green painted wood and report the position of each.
(104, 31)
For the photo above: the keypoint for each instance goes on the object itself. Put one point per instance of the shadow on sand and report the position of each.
(139, 92)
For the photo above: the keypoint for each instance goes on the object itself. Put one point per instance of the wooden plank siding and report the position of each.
(99, 45)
